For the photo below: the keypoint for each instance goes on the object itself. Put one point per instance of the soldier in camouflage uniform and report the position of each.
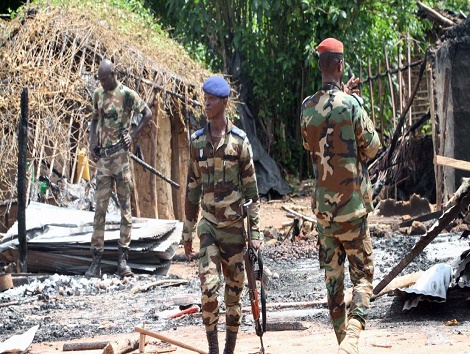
(221, 177)
(340, 138)
(110, 138)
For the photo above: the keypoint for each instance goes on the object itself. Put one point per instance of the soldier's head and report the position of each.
(331, 61)
(216, 92)
(106, 75)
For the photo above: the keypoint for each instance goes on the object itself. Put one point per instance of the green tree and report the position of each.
(268, 48)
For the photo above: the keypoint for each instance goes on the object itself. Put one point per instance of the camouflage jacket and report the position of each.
(220, 180)
(340, 137)
(113, 110)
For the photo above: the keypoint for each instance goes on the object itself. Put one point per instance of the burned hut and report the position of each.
(54, 52)
(452, 108)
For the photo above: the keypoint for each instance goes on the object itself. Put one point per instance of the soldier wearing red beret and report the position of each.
(341, 138)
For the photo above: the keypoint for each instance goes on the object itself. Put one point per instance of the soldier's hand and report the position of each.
(256, 244)
(188, 249)
(351, 86)
(126, 139)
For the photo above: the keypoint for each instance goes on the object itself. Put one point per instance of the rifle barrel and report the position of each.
(154, 171)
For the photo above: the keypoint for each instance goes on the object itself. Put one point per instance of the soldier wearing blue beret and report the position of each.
(221, 177)
(216, 86)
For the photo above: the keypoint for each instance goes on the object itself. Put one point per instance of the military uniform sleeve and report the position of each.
(193, 198)
(367, 138)
(95, 112)
(250, 186)
(139, 103)
(303, 125)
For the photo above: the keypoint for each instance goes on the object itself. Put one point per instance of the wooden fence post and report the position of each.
(392, 96)
(22, 152)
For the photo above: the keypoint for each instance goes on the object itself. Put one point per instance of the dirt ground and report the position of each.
(113, 316)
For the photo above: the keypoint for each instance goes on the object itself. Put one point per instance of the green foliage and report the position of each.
(273, 44)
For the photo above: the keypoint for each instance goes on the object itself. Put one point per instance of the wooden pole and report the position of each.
(169, 340)
(392, 96)
(175, 169)
(77, 146)
(450, 162)
(153, 157)
(435, 141)
(33, 154)
(381, 107)
(136, 191)
(408, 57)
(22, 152)
(400, 83)
(67, 140)
(371, 92)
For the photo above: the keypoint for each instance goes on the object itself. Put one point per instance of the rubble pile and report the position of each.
(287, 250)
(69, 307)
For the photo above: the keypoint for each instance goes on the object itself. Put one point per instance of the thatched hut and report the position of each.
(54, 52)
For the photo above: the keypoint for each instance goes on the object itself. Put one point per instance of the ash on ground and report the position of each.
(72, 307)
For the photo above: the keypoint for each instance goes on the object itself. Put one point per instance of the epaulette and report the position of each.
(197, 134)
(239, 132)
(358, 99)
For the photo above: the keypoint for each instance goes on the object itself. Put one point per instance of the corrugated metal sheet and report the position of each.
(59, 241)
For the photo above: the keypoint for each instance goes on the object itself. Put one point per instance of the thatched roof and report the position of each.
(54, 51)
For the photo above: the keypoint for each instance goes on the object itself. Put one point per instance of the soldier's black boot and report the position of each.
(123, 269)
(213, 341)
(94, 271)
(230, 341)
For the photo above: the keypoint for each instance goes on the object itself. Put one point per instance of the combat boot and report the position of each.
(213, 341)
(123, 269)
(230, 341)
(94, 271)
(350, 344)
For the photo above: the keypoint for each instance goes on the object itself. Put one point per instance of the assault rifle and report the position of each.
(146, 165)
(254, 271)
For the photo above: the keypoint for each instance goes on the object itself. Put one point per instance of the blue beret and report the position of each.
(217, 86)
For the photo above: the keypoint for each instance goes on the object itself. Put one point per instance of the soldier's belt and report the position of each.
(111, 150)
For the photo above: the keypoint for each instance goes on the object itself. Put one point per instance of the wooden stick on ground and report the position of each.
(298, 214)
(164, 282)
(84, 346)
(169, 340)
(121, 346)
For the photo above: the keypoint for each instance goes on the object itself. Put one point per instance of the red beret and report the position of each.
(330, 45)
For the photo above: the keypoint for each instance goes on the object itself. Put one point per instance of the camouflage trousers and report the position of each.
(338, 241)
(221, 252)
(113, 171)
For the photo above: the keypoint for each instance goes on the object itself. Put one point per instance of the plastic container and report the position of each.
(83, 170)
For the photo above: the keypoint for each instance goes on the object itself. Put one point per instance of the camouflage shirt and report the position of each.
(340, 137)
(113, 110)
(220, 180)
